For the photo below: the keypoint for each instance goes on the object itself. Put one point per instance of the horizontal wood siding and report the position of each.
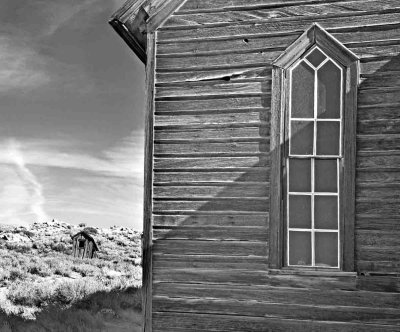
(212, 167)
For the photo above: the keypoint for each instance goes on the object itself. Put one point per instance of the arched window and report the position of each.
(313, 154)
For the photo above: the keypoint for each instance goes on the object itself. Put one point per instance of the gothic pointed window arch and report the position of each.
(313, 135)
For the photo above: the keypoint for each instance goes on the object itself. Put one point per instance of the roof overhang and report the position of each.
(136, 18)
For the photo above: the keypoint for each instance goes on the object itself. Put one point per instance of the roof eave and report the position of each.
(138, 17)
(136, 45)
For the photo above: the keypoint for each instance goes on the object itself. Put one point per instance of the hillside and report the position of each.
(38, 273)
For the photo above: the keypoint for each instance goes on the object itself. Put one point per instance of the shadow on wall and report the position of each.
(102, 311)
(244, 201)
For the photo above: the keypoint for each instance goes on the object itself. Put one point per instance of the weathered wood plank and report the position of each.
(231, 132)
(212, 233)
(379, 283)
(387, 159)
(378, 253)
(231, 103)
(375, 207)
(254, 278)
(381, 223)
(282, 26)
(378, 239)
(211, 88)
(381, 127)
(379, 96)
(224, 5)
(381, 65)
(226, 220)
(283, 311)
(228, 190)
(249, 117)
(383, 111)
(218, 75)
(381, 266)
(247, 14)
(283, 295)
(213, 204)
(385, 191)
(249, 175)
(186, 247)
(215, 162)
(380, 80)
(219, 61)
(179, 321)
(208, 262)
(201, 148)
(227, 45)
(365, 176)
(378, 142)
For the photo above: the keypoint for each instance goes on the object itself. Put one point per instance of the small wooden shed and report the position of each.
(84, 245)
(272, 168)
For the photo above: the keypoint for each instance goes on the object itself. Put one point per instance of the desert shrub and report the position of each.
(86, 269)
(91, 230)
(17, 273)
(60, 247)
(18, 247)
(4, 275)
(27, 233)
(71, 291)
(39, 268)
(30, 294)
(63, 270)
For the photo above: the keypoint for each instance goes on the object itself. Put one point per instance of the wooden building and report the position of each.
(272, 184)
(83, 245)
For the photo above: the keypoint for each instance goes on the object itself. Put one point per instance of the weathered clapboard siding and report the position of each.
(252, 220)
(212, 167)
(277, 26)
(194, 6)
(166, 321)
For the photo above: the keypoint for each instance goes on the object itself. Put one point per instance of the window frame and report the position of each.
(314, 36)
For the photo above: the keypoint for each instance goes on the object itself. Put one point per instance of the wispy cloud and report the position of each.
(21, 67)
(123, 160)
(21, 193)
(31, 183)
(103, 188)
(59, 13)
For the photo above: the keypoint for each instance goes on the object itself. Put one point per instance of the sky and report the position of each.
(71, 115)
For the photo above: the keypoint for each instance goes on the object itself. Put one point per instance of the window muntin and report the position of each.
(313, 160)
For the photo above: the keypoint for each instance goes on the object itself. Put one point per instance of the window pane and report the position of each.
(328, 138)
(300, 175)
(299, 211)
(302, 137)
(329, 86)
(326, 212)
(326, 249)
(302, 91)
(316, 57)
(326, 175)
(299, 248)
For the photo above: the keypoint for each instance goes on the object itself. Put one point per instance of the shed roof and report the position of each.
(87, 236)
(138, 17)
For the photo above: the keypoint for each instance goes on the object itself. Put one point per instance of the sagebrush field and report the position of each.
(39, 278)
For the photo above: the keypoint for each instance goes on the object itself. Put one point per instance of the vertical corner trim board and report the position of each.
(148, 185)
